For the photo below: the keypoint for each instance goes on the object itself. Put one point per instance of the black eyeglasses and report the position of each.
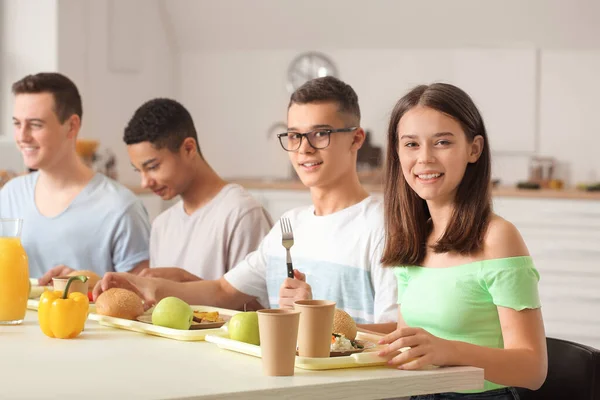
(317, 139)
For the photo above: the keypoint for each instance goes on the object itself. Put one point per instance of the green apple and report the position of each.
(243, 327)
(172, 312)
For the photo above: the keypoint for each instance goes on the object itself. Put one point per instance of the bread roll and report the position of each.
(93, 278)
(119, 303)
(344, 324)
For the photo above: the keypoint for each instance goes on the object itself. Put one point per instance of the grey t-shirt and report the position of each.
(213, 239)
(105, 228)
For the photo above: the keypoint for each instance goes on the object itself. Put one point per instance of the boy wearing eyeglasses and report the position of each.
(338, 240)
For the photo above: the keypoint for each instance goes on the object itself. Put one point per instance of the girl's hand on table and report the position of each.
(424, 349)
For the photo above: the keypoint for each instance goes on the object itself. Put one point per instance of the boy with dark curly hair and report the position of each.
(215, 224)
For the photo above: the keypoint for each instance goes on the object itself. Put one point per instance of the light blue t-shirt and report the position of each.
(105, 228)
(340, 255)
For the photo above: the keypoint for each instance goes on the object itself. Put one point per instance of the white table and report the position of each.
(111, 363)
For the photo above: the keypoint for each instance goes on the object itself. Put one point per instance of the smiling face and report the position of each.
(42, 139)
(168, 174)
(434, 153)
(323, 167)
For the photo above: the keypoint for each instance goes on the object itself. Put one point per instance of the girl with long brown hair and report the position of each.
(467, 286)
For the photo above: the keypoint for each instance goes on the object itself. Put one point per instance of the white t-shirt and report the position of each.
(213, 239)
(339, 253)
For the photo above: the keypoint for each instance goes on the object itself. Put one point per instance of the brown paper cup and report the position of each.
(60, 283)
(316, 324)
(278, 336)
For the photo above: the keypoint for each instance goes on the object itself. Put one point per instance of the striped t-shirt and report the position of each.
(339, 253)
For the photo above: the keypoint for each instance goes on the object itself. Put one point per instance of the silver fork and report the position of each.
(287, 239)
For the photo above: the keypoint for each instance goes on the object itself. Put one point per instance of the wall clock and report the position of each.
(307, 66)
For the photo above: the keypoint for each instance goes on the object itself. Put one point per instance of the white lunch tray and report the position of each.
(367, 358)
(161, 331)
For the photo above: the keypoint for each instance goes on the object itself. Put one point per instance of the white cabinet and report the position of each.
(563, 237)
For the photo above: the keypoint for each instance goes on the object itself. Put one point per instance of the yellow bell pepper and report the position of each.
(61, 316)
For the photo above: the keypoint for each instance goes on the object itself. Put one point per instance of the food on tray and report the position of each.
(343, 324)
(341, 343)
(172, 312)
(207, 316)
(93, 278)
(119, 303)
(344, 333)
(243, 327)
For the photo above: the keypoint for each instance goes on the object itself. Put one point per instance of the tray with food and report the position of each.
(202, 319)
(350, 348)
(365, 357)
(171, 318)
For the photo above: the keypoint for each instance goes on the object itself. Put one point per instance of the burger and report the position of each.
(343, 324)
(119, 303)
(344, 333)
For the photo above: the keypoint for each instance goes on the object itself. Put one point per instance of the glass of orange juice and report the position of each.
(14, 273)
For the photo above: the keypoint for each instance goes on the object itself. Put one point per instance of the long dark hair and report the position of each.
(406, 214)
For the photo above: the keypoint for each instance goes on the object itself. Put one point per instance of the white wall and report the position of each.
(236, 97)
(383, 24)
(530, 67)
(569, 106)
(120, 55)
(28, 44)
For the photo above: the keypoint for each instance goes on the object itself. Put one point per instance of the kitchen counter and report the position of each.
(501, 191)
(107, 363)
(374, 187)
(569, 193)
(283, 184)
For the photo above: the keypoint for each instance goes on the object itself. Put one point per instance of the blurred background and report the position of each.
(531, 66)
